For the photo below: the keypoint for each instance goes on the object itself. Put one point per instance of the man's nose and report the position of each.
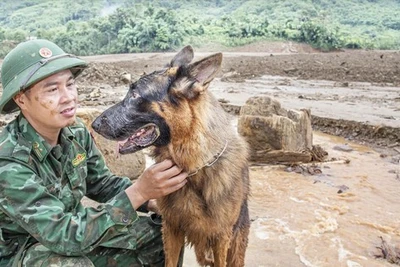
(67, 94)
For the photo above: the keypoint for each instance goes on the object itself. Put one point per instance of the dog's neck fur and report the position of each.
(194, 148)
(211, 162)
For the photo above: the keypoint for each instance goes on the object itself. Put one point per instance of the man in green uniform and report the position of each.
(48, 162)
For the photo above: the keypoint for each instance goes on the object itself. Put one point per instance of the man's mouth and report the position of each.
(141, 138)
(68, 111)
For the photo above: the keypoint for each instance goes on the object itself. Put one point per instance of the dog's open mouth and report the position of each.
(143, 137)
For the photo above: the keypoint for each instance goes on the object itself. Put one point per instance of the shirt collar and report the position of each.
(39, 146)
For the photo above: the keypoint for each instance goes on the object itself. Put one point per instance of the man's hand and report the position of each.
(156, 181)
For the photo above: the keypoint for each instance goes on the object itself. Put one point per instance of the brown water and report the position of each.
(302, 220)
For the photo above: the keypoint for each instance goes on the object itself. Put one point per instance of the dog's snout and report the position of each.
(98, 122)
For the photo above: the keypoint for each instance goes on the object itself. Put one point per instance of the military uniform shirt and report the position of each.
(41, 190)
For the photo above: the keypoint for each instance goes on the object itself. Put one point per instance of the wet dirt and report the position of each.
(334, 218)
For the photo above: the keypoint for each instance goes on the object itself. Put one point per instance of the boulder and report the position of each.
(274, 134)
(131, 165)
(231, 109)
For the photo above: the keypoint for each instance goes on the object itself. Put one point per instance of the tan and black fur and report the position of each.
(184, 122)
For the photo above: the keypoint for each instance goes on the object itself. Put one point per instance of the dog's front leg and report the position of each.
(173, 243)
(220, 250)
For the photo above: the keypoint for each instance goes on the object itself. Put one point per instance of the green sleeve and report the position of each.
(101, 183)
(45, 217)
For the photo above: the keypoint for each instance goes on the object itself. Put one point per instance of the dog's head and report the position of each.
(159, 104)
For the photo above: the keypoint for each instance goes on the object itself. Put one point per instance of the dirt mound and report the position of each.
(261, 47)
(364, 66)
(102, 73)
(275, 47)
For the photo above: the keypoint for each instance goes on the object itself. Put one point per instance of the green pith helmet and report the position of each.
(29, 63)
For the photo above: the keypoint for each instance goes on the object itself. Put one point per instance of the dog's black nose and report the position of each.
(96, 124)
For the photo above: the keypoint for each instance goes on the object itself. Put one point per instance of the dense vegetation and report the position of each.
(88, 27)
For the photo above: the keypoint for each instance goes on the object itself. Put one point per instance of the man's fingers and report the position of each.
(171, 172)
(177, 183)
(162, 179)
(165, 170)
(178, 179)
(163, 165)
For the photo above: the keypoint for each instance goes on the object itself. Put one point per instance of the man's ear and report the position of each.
(20, 100)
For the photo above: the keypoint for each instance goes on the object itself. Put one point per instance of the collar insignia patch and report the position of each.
(78, 159)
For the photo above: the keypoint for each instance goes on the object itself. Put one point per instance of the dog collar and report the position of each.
(212, 161)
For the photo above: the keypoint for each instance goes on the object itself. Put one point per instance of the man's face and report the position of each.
(51, 103)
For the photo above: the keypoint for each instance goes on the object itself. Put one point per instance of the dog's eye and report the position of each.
(135, 95)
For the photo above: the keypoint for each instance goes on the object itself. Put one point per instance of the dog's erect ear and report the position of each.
(206, 69)
(201, 74)
(184, 57)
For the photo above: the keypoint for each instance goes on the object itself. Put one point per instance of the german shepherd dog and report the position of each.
(173, 111)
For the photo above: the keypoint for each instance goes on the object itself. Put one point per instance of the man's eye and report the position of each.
(50, 90)
(71, 83)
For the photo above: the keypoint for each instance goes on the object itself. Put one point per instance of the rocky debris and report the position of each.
(131, 165)
(395, 159)
(232, 76)
(342, 189)
(275, 134)
(104, 73)
(304, 169)
(230, 108)
(95, 93)
(344, 148)
(388, 252)
(126, 78)
(318, 154)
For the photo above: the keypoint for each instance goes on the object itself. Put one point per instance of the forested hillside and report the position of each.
(88, 27)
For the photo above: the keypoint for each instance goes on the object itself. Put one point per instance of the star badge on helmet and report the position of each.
(45, 52)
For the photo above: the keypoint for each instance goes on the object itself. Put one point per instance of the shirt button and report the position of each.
(125, 219)
(37, 204)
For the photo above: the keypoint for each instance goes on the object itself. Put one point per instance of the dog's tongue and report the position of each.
(142, 138)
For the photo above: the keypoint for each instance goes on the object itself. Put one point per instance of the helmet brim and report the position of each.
(7, 104)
